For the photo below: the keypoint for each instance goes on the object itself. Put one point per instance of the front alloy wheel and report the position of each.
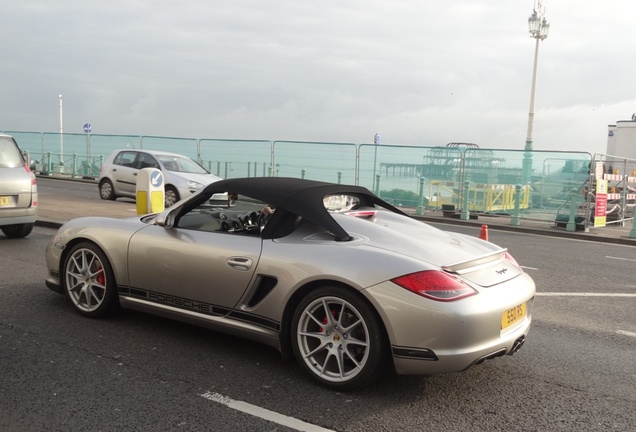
(171, 196)
(89, 281)
(337, 339)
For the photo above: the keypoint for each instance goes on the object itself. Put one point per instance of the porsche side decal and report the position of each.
(197, 306)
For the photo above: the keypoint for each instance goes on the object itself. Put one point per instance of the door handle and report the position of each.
(240, 263)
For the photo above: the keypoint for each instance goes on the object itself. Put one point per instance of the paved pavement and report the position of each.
(609, 234)
(53, 213)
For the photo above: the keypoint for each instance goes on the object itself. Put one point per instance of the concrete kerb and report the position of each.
(548, 231)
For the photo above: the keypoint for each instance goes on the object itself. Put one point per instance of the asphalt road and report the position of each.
(60, 371)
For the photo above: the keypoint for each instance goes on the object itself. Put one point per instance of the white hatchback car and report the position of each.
(183, 176)
(18, 191)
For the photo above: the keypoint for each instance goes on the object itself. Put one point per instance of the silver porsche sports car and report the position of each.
(330, 274)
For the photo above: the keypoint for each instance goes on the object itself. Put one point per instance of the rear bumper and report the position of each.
(429, 337)
(16, 216)
(457, 361)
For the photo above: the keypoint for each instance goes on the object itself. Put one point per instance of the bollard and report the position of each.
(465, 214)
(302, 173)
(515, 215)
(632, 232)
(483, 232)
(150, 191)
(377, 185)
(420, 208)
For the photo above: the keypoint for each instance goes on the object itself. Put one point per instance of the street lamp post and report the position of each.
(61, 134)
(538, 27)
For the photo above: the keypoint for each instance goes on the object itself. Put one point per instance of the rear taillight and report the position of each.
(31, 174)
(34, 186)
(435, 285)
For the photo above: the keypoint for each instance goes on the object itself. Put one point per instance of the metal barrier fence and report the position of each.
(610, 197)
(457, 180)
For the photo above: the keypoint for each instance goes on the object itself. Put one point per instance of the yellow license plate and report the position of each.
(4, 201)
(513, 315)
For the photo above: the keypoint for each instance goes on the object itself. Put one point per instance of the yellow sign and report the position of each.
(600, 205)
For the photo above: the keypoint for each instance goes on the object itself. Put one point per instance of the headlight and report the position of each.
(194, 185)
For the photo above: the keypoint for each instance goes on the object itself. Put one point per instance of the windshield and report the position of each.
(10, 156)
(181, 164)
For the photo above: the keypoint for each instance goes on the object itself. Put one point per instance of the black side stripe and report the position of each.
(198, 307)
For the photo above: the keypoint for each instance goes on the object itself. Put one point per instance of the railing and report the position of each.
(73, 166)
(487, 181)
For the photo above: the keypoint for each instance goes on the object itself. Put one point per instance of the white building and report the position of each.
(621, 139)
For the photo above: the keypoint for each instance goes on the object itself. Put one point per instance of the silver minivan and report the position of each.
(18, 190)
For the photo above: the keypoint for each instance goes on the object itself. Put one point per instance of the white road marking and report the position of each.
(263, 413)
(568, 294)
(529, 268)
(626, 333)
(621, 259)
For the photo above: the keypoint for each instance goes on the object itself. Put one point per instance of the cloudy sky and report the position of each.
(422, 72)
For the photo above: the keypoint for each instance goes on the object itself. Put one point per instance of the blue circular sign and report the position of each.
(156, 178)
(88, 127)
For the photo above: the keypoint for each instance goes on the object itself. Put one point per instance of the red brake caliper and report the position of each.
(100, 277)
(325, 320)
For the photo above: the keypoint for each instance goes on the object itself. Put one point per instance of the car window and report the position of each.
(181, 164)
(125, 158)
(233, 215)
(341, 203)
(10, 156)
(144, 160)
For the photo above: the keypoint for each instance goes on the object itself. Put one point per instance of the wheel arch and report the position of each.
(299, 294)
(67, 249)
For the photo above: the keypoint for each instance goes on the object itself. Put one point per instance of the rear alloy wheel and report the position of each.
(337, 338)
(17, 231)
(171, 196)
(106, 190)
(89, 281)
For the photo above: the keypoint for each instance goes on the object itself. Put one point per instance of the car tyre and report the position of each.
(106, 190)
(89, 281)
(171, 196)
(338, 339)
(17, 231)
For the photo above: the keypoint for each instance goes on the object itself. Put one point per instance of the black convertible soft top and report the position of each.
(300, 197)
